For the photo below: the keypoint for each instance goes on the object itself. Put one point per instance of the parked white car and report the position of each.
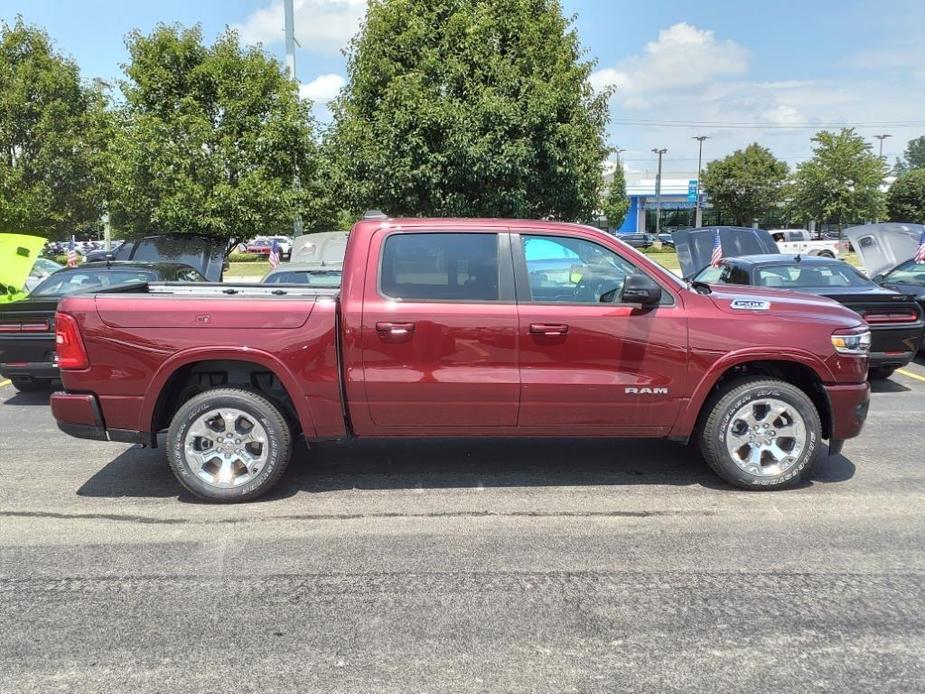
(799, 242)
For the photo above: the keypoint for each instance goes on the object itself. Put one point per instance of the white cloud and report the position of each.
(682, 56)
(323, 88)
(323, 26)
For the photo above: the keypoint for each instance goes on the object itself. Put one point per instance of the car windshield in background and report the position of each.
(908, 273)
(325, 279)
(810, 275)
(63, 283)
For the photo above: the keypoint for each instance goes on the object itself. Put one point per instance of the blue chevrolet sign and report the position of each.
(692, 190)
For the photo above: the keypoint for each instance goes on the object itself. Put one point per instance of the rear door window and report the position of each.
(440, 267)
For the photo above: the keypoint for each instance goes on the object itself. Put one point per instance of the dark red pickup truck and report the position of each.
(464, 328)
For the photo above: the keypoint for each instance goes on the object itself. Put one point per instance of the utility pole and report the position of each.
(698, 215)
(882, 138)
(289, 27)
(658, 192)
(617, 151)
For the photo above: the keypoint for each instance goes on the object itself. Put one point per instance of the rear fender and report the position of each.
(191, 356)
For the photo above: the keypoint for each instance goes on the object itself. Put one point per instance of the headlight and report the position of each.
(852, 343)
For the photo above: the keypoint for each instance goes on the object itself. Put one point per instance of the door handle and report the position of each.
(548, 329)
(394, 329)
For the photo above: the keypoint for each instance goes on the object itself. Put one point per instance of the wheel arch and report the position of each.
(803, 371)
(176, 381)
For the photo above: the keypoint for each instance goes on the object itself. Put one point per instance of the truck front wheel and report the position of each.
(761, 433)
(228, 445)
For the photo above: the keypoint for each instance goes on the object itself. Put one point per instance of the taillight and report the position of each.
(68, 343)
(895, 317)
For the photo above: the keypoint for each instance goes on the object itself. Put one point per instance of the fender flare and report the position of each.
(242, 354)
(687, 419)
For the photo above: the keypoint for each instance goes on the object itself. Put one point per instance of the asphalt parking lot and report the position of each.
(488, 566)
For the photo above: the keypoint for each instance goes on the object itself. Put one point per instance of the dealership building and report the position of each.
(677, 203)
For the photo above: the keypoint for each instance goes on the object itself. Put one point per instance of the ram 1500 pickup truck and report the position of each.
(472, 328)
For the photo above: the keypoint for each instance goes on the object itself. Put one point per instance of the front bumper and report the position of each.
(849, 405)
(79, 415)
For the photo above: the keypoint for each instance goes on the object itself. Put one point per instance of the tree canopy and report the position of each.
(746, 183)
(615, 204)
(841, 183)
(211, 140)
(53, 134)
(906, 199)
(913, 157)
(469, 108)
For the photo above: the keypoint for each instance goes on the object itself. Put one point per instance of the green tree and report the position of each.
(53, 132)
(914, 156)
(841, 183)
(615, 204)
(745, 184)
(906, 199)
(466, 107)
(211, 139)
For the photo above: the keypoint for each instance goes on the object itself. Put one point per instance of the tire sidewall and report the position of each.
(760, 392)
(197, 407)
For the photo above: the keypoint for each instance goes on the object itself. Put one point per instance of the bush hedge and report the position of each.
(246, 258)
(653, 249)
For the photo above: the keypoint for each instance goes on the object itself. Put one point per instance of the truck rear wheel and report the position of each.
(228, 445)
(761, 433)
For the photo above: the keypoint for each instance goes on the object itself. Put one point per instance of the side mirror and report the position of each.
(641, 289)
(878, 278)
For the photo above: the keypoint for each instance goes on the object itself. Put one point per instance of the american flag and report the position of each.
(274, 254)
(716, 258)
(920, 253)
(72, 253)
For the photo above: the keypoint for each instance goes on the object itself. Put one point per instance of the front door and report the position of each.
(439, 332)
(588, 362)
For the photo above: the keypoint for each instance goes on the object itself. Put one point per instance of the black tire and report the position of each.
(826, 254)
(279, 442)
(723, 406)
(880, 373)
(30, 385)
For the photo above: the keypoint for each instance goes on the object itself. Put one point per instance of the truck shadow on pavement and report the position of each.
(372, 464)
(29, 399)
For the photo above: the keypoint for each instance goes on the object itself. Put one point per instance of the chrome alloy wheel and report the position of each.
(766, 437)
(226, 447)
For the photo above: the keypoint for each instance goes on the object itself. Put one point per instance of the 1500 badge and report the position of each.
(750, 304)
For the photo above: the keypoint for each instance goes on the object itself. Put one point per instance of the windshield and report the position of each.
(327, 279)
(64, 283)
(909, 272)
(796, 275)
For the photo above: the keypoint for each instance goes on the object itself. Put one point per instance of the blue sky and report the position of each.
(776, 70)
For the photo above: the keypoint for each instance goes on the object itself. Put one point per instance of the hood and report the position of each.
(695, 246)
(325, 248)
(17, 256)
(738, 299)
(881, 247)
(204, 253)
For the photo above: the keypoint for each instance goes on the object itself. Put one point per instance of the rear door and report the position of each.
(439, 332)
(588, 363)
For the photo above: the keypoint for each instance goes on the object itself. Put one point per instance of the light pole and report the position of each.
(698, 215)
(658, 191)
(882, 138)
(289, 31)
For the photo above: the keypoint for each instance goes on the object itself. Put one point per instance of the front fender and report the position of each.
(687, 419)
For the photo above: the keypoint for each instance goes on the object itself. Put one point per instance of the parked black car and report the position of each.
(896, 320)
(637, 240)
(205, 253)
(27, 327)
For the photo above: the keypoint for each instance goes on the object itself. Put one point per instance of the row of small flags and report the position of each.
(920, 253)
(274, 254)
(72, 253)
